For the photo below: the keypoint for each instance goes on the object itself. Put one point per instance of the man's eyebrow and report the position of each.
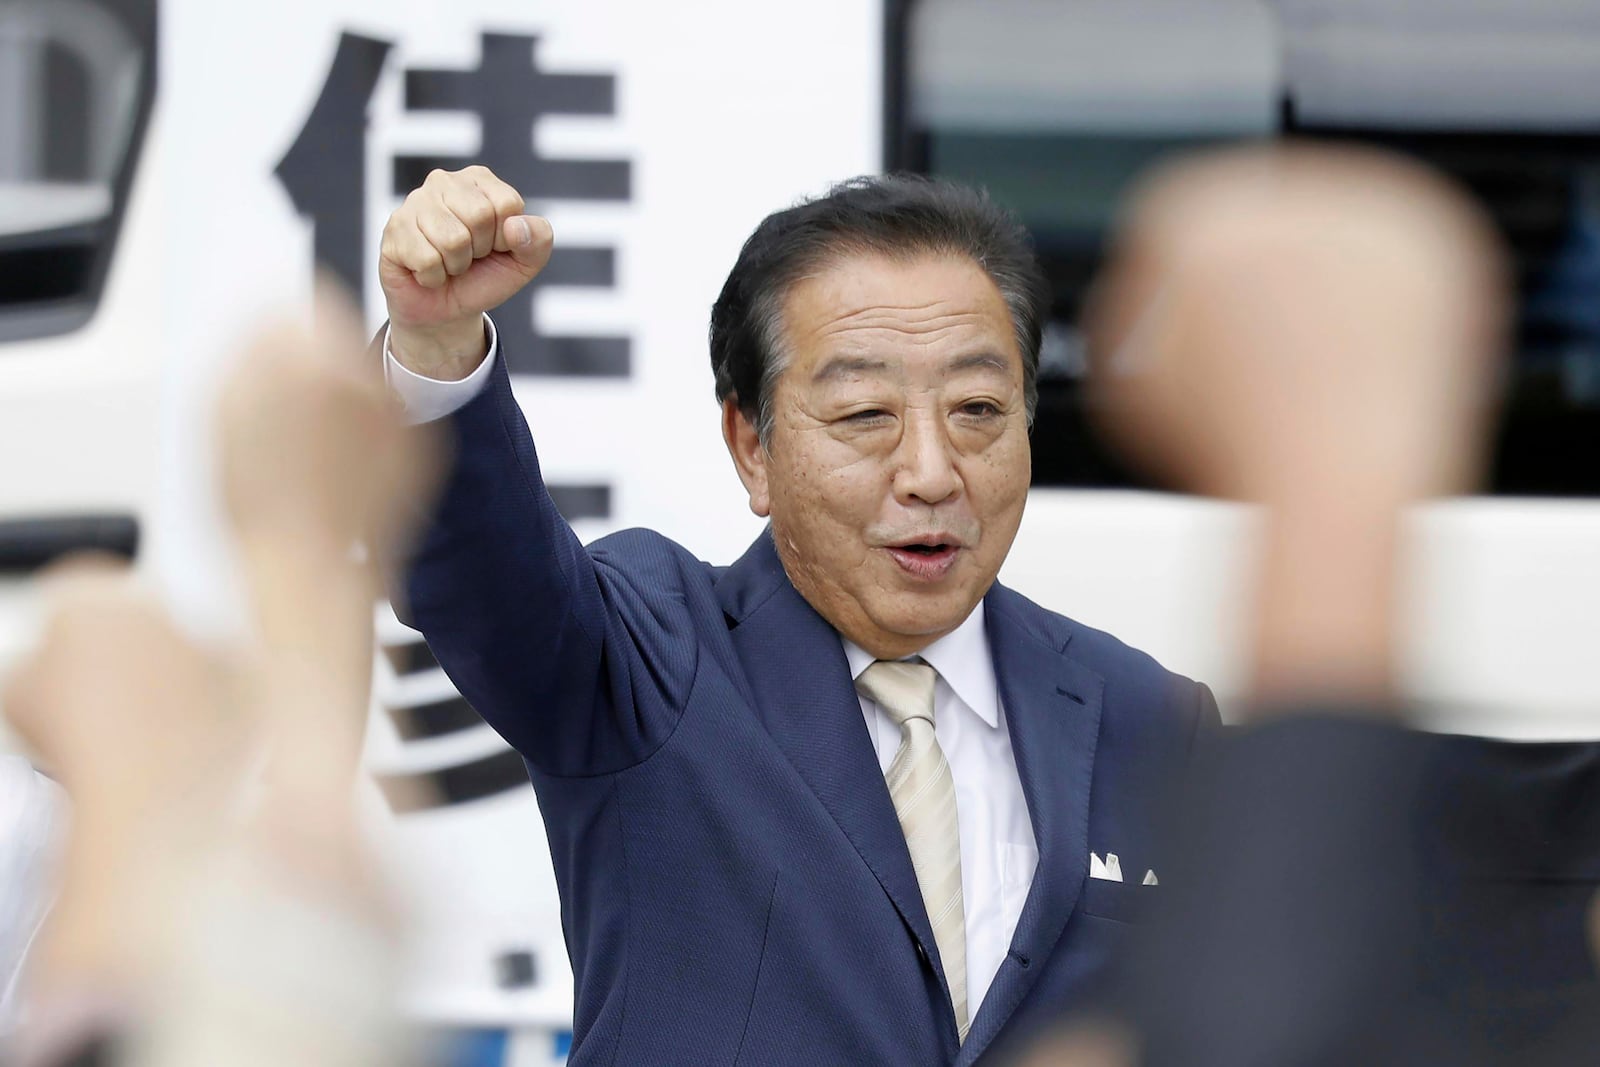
(844, 366)
(979, 361)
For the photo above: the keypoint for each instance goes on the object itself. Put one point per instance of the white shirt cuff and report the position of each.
(428, 399)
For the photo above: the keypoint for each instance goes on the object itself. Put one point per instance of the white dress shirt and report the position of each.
(998, 851)
(427, 399)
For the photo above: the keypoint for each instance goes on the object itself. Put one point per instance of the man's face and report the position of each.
(898, 462)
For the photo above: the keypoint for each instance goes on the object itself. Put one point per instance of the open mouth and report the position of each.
(925, 560)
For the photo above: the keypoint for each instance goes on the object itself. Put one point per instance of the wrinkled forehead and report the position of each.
(871, 314)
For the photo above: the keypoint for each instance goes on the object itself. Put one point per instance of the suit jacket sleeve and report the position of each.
(578, 663)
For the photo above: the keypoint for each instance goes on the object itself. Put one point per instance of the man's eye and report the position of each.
(869, 415)
(980, 409)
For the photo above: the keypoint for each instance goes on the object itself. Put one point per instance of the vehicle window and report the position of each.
(77, 79)
(1057, 107)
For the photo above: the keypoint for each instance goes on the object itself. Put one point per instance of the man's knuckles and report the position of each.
(459, 213)
(508, 203)
(451, 238)
(426, 262)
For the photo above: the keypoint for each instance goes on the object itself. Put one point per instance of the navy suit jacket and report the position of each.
(734, 884)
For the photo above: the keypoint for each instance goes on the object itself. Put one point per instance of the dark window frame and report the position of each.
(1537, 450)
(84, 253)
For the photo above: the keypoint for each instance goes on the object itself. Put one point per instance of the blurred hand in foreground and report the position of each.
(129, 716)
(315, 455)
(202, 894)
(1315, 330)
(1292, 323)
(322, 480)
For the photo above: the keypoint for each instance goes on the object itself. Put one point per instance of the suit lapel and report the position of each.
(1052, 709)
(800, 685)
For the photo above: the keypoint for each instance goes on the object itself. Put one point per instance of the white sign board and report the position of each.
(655, 137)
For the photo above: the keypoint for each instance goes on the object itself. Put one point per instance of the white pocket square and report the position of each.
(1108, 869)
(1150, 878)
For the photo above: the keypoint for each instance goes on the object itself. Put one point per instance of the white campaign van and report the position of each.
(170, 170)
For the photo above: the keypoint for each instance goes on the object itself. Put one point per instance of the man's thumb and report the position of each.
(530, 239)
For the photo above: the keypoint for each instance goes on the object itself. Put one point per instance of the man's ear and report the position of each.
(748, 455)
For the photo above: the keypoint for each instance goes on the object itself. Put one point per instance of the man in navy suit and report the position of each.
(849, 800)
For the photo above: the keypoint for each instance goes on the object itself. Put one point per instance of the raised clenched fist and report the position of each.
(114, 701)
(1314, 329)
(1283, 322)
(313, 453)
(459, 246)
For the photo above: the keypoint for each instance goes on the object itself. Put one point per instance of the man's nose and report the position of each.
(926, 471)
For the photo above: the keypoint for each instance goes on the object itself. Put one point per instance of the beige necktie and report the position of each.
(924, 795)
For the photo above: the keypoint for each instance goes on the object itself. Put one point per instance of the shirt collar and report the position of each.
(962, 659)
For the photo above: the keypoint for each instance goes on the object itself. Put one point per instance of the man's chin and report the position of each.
(925, 622)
